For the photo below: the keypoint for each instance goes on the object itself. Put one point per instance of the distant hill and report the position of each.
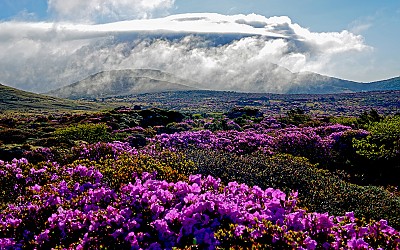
(123, 82)
(277, 80)
(312, 83)
(12, 99)
(389, 84)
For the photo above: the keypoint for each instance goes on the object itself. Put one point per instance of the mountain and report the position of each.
(123, 82)
(12, 99)
(313, 83)
(389, 84)
(276, 79)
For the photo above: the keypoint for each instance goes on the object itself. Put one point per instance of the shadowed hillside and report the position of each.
(12, 99)
(123, 82)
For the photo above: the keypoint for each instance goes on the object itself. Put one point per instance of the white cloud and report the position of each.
(107, 10)
(238, 52)
(361, 25)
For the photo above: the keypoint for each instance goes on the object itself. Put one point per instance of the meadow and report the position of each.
(239, 178)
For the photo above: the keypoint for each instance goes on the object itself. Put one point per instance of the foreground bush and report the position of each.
(75, 209)
(319, 190)
(381, 148)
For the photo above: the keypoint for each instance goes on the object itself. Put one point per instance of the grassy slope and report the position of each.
(12, 99)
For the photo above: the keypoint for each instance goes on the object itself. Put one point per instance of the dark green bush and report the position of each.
(11, 135)
(295, 117)
(319, 190)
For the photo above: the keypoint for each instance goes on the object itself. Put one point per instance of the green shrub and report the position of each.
(385, 133)
(347, 121)
(381, 149)
(88, 132)
(367, 118)
(295, 117)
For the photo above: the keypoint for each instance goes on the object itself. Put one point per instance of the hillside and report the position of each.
(389, 84)
(12, 99)
(122, 82)
(312, 83)
(278, 81)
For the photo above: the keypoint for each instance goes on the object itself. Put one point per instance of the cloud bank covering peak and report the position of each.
(224, 52)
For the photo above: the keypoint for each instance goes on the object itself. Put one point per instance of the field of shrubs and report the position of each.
(160, 179)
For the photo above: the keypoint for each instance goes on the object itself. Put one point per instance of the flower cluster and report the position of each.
(73, 207)
(100, 150)
(231, 141)
(314, 143)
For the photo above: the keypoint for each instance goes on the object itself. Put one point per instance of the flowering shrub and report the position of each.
(76, 209)
(40, 154)
(160, 193)
(231, 141)
(302, 142)
(313, 143)
(100, 150)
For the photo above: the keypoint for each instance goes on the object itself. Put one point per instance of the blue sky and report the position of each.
(375, 23)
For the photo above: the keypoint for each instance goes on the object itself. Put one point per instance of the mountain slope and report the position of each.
(122, 82)
(313, 83)
(12, 99)
(389, 84)
(276, 79)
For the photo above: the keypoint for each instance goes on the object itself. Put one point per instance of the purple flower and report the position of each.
(155, 246)
(310, 243)
(42, 237)
(131, 238)
(172, 215)
(357, 244)
(7, 243)
(36, 188)
(117, 233)
(239, 230)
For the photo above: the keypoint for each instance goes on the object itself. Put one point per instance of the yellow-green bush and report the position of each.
(169, 166)
(88, 132)
(383, 142)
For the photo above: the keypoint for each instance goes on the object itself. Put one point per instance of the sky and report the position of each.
(46, 44)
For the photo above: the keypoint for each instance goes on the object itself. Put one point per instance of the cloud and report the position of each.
(107, 10)
(359, 26)
(235, 52)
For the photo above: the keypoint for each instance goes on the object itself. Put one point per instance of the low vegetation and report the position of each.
(153, 178)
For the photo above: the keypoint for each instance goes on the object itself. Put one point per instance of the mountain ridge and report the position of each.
(122, 82)
(280, 81)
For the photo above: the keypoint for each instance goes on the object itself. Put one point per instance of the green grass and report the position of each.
(14, 100)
